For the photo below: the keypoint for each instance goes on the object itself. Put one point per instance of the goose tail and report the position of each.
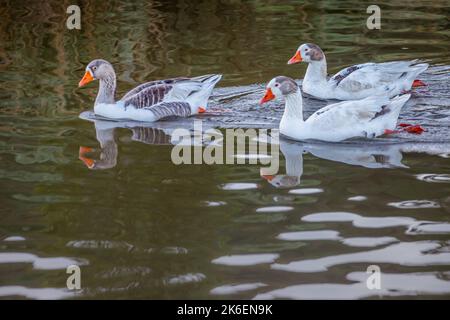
(199, 99)
(397, 103)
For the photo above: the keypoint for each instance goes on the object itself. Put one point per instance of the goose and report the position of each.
(358, 81)
(369, 117)
(150, 101)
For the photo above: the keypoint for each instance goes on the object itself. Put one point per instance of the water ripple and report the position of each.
(306, 191)
(37, 293)
(246, 259)
(239, 186)
(432, 177)
(394, 285)
(275, 209)
(368, 241)
(38, 262)
(357, 198)
(14, 238)
(403, 253)
(413, 226)
(185, 278)
(236, 288)
(100, 244)
(415, 204)
(310, 235)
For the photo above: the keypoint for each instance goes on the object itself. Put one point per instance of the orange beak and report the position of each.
(267, 97)
(201, 110)
(268, 177)
(296, 58)
(86, 79)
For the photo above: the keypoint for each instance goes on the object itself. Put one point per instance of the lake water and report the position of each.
(140, 226)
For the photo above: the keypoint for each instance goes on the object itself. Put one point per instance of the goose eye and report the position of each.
(306, 49)
(277, 85)
(94, 68)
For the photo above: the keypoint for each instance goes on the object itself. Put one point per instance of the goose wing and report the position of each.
(152, 83)
(371, 75)
(349, 113)
(169, 109)
(177, 89)
(152, 95)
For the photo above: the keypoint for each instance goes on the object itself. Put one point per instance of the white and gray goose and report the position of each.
(357, 81)
(150, 101)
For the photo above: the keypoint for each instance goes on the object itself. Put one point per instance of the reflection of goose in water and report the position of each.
(373, 156)
(368, 155)
(108, 146)
(293, 154)
(108, 154)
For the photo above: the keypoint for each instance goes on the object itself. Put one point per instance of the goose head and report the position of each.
(97, 69)
(280, 86)
(307, 52)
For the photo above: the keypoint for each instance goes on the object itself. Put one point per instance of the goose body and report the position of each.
(358, 81)
(369, 117)
(150, 101)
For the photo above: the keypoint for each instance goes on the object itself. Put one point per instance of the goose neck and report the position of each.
(294, 107)
(316, 71)
(107, 89)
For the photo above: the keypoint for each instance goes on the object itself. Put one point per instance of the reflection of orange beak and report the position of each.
(268, 177)
(267, 97)
(296, 58)
(86, 79)
(84, 150)
(87, 161)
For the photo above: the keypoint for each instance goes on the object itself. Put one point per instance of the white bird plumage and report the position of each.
(369, 117)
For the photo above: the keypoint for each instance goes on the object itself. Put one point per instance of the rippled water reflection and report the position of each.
(105, 195)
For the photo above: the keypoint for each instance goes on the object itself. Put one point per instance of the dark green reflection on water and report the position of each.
(150, 229)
